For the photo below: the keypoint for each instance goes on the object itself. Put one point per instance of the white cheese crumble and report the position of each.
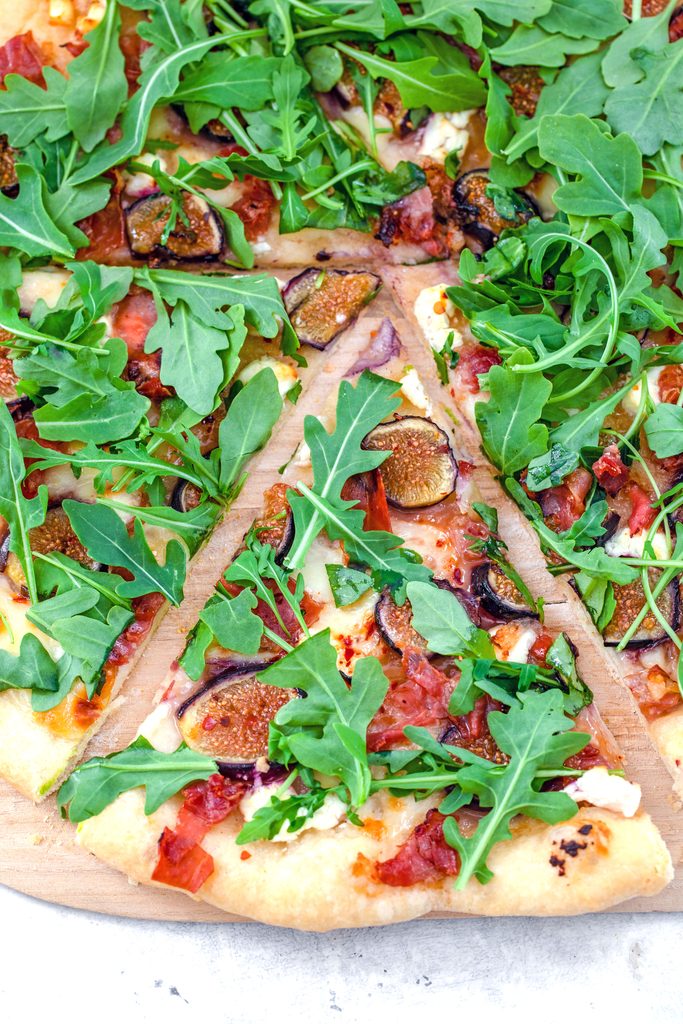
(443, 133)
(41, 284)
(631, 545)
(512, 642)
(601, 789)
(286, 375)
(433, 312)
(631, 401)
(160, 728)
(413, 389)
(141, 184)
(326, 817)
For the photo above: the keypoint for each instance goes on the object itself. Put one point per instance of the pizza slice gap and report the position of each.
(615, 465)
(134, 401)
(326, 638)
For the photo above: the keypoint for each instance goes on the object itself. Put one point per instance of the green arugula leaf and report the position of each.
(648, 110)
(610, 169)
(440, 618)
(325, 731)
(292, 811)
(550, 469)
(106, 539)
(664, 430)
(233, 623)
(535, 733)
(619, 67)
(347, 585)
(31, 669)
(21, 514)
(25, 223)
(508, 421)
(97, 86)
(244, 82)
(337, 456)
(596, 19)
(531, 45)
(247, 425)
(28, 111)
(98, 782)
(598, 596)
(192, 526)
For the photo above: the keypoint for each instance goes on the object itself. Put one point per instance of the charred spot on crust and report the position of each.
(585, 830)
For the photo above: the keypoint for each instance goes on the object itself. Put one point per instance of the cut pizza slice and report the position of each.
(133, 404)
(370, 720)
(211, 144)
(580, 415)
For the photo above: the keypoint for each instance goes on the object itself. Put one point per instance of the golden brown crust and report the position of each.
(322, 880)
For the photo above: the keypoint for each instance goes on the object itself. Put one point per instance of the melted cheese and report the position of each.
(601, 789)
(444, 133)
(626, 544)
(285, 375)
(631, 401)
(14, 625)
(434, 311)
(41, 284)
(160, 728)
(512, 642)
(413, 389)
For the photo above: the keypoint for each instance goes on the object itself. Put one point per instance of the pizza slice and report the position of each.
(133, 404)
(370, 720)
(220, 141)
(560, 345)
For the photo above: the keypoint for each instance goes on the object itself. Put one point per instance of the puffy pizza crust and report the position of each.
(667, 735)
(322, 880)
(19, 16)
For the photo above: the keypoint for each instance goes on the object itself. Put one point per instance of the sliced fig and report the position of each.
(498, 594)
(8, 174)
(228, 717)
(525, 88)
(55, 534)
(394, 623)
(185, 496)
(476, 213)
(421, 469)
(630, 599)
(196, 236)
(323, 303)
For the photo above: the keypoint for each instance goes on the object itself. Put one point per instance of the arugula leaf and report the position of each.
(192, 526)
(440, 618)
(248, 424)
(106, 539)
(337, 456)
(598, 596)
(97, 86)
(550, 469)
(609, 169)
(25, 223)
(159, 81)
(648, 110)
(619, 67)
(98, 782)
(596, 19)
(325, 731)
(31, 669)
(197, 359)
(347, 585)
(664, 430)
(529, 44)
(292, 811)
(508, 421)
(535, 733)
(21, 514)
(86, 399)
(233, 623)
(27, 110)
(458, 89)
(244, 82)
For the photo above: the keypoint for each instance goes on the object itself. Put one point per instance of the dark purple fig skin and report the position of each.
(494, 603)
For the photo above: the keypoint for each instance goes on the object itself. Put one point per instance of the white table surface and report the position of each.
(600, 968)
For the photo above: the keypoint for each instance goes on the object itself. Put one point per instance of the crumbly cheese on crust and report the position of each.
(434, 312)
(601, 789)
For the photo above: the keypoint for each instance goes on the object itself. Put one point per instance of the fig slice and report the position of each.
(8, 174)
(630, 598)
(394, 623)
(498, 594)
(197, 237)
(323, 303)
(185, 496)
(228, 717)
(421, 469)
(476, 212)
(55, 534)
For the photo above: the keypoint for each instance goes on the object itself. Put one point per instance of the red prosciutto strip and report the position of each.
(367, 490)
(610, 470)
(22, 55)
(421, 698)
(182, 862)
(424, 857)
(642, 513)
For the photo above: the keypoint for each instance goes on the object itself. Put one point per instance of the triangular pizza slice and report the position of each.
(370, 720)
(134, 401)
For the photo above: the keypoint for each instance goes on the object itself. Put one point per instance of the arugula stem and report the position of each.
(361, 165)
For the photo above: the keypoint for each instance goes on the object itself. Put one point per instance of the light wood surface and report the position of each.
(38, 854)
